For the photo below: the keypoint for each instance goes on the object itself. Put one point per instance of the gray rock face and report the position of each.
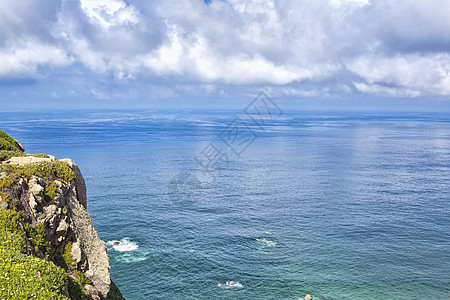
(66, 220)
(79, 182)
(36, 190)
(94, 260)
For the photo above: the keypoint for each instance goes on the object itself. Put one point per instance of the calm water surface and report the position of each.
(336, 205)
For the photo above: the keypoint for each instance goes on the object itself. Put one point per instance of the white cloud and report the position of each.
(339, 3)
(413, 74)
(376, 89)
(24, 57)
(110, 12)
(380, 47)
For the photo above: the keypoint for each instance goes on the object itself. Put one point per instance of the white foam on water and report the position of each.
(123, 245)
(267, 242)
(228, 285)
(131, 258)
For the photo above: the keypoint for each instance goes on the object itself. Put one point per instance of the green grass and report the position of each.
(27, 277)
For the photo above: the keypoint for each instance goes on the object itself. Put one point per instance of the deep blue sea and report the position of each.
(336, 205)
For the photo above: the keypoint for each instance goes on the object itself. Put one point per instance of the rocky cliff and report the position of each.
(43, 210)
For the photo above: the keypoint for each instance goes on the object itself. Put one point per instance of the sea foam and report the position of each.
(267, 242)
(123, 245)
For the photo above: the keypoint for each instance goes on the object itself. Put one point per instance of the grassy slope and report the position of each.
(22, 276)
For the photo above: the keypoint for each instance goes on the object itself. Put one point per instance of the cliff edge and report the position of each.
(48, 246)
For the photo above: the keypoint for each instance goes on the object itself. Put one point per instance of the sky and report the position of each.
(374, 54)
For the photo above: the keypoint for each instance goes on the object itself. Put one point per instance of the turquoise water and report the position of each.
(336, 205)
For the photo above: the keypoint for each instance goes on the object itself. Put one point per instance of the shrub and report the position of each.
(5, 182)
(7, 137)
(11, 239)
(7, 154)
(39, 241)
(8, 169)
(25, 277)
(15, 204)
(48, 170)
(4, 197)
(5, 145)
(67, 256)
(51, 191)
(7, 142)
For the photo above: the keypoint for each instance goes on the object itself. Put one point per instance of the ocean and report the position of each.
(339, 205)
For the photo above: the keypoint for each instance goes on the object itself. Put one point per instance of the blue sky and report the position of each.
(191, 53)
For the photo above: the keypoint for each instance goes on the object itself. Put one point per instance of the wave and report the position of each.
(267, 242)
(123, 245)
(131, 257)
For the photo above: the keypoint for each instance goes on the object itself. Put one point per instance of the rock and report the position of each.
(75, 251)
(26, 160)
(308, 297)
(114, 292)
(65, 220)
(91, 293)
(62, 228)
(32, 202)
(50, 210)
(21, 182)
(93, 250)
(36, 190)
(59, 240)
(3, 175)
(79, 182)
(19, 146)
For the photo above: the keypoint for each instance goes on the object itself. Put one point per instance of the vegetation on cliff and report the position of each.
(29, 266)
(8, 143)
(38, 230)
(24, 276)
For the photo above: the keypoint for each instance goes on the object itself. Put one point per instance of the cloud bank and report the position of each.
(386, 48)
